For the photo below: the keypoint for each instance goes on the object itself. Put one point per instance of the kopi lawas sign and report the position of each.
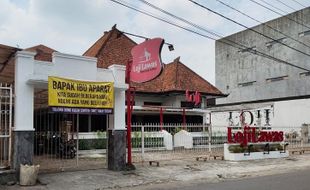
(146, 60)
(67, 93)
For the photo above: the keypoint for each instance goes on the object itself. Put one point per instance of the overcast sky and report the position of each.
(72, 26)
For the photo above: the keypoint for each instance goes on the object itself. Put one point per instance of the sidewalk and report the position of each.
(172, 171)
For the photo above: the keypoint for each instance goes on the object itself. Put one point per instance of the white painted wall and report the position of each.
(30, 74)
(23, 108)
(292, 113)
(183, 139)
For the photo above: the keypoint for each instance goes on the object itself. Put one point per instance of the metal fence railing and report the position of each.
(6, 104)
(153, 142)
(297, 137)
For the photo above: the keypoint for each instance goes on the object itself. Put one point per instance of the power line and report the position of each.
(161, 19)
(211, 32)
(181, 19)
(299, 3)
(276, 30)
(285, 12)
(286, 5)
(208, 37)
(251, 29)
(279, 13)
(142, 37)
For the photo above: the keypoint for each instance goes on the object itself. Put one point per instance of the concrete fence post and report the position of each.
(142, 142)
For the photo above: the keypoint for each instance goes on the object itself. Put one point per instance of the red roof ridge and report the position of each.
(43, 52)
(41, 47)
(101, 42)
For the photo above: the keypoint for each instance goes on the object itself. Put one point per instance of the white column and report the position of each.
(24, 65)
(119, 110)
(119, 97)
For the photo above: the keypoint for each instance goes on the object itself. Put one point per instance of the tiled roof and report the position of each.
(176, 77)
(44, 53)
(114, 48)
(6, 63)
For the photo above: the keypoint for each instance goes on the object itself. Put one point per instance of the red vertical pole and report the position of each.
(129, 112)
(161, 118)
(128, 97)
(184, 118)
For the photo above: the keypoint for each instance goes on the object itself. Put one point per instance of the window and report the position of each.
(304, 33)
(304, 74)
(276, 79)
(211, 102)
(152, 103)
(246, 84)
(190, 105)
(271, 43)
(250, 49)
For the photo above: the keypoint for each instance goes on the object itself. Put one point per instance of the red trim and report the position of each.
(161, 118)
(184, 119)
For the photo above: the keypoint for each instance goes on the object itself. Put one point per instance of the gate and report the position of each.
(66, 142)
(5, 125)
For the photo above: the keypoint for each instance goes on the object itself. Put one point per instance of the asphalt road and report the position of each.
(299, 180)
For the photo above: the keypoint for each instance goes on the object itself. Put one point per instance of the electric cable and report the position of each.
(299, 3)
(286, 5)
(251, 29)
(279, 13)
(264, 24)
(277, 8)
(182, 19)
(208, 37)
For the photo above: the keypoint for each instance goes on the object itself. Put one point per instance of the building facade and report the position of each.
(167, 91)
(251, 80)
(247, 77)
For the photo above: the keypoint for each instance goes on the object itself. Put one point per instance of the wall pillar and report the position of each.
(23, 110)
(117, 127)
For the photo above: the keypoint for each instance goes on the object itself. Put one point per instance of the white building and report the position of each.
(252, 81)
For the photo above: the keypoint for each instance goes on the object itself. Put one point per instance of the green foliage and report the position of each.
(136, 134)
(254, 148)
(236, 149)
(149, 142)
(101, 134)
(90, 144)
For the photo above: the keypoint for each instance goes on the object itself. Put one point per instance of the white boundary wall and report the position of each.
(31, 74)
(282, 114)
(252, 156)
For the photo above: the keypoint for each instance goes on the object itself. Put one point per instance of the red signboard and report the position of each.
(196, 97)
(146, 63)
(250, 134)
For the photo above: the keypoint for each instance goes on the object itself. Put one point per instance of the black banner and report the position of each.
(95, 111)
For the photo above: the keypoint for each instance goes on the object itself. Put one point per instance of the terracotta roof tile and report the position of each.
(177, 77)
(114, 48)
(44, 53)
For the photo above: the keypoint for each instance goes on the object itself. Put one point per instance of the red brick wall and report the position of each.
(116, 51)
